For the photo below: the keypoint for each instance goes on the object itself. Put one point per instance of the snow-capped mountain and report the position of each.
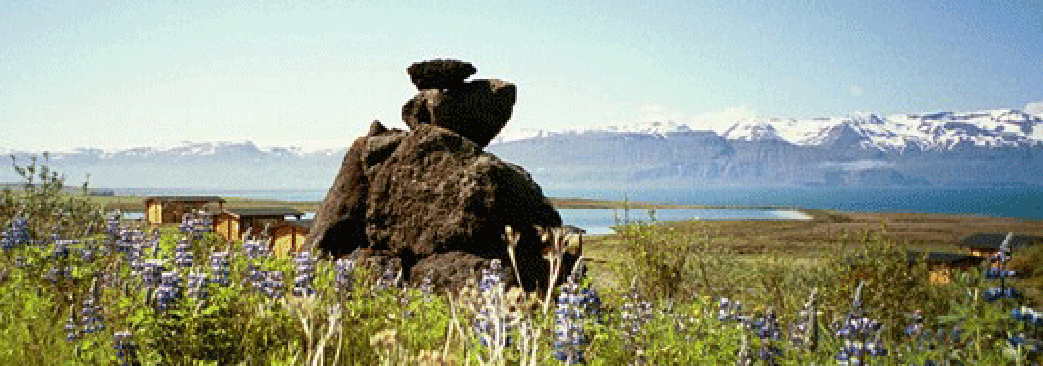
(923, 132)
(655, 128)
(990, 147)
(895, 133)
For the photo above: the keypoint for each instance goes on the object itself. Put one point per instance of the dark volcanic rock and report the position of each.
(477, 109)
(347, 196)
(434, 200)
(440, 73)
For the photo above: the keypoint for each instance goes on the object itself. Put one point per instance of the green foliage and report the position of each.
(44, 201)
(681, 276)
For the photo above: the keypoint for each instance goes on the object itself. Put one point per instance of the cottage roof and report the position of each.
(185, 199)
(299, 223)
(263, 211)
(943, 258)
(993, 240)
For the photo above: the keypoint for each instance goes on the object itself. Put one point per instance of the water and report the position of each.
(600, 221)
(1018, 202)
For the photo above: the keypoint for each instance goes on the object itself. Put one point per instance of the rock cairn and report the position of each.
(431, 200)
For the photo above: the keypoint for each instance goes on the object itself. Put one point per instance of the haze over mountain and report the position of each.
(982, 148)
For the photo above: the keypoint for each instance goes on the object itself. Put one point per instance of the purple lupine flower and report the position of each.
(168, 291)
(493, 322)
(91, 316)
(72, 332)
(635, 312)
(859, 332)
(804, 332)
(126, 351)
(17, 235)
(220, 268)
(388, 279)
(197, 285)
(729, 310)
(345, 274)
(302, 283)
(273, 284)
(151, 270)
(183, 256)
(255, 248)
(575, 307)
(112, 224)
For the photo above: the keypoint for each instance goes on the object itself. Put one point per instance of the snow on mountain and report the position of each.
(897, 133)
(656, 128)
(934, 131)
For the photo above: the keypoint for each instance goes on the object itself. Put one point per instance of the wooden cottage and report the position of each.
(289, 236)
(944, 266)
(987, 244)
(170, 209)
(233, 223)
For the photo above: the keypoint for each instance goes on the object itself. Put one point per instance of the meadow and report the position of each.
(78, 285)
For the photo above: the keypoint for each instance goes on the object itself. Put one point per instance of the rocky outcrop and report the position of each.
(477, 109)
(440, 73)
(431, 199)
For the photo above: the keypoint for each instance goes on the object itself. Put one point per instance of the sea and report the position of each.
(1015, 202)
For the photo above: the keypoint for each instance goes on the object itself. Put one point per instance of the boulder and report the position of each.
(477, 110)
(440, 73)
(437, 202)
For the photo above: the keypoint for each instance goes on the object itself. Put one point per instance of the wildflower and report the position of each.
(345, 269)
(220, 268)
(492, 322)
(71, 332)
(861, 334)
(729, 310)
(804, 332)
(91, 316)
(273, 283)
(197, 285)
(169, 290)
(150, 271)
(575, 306)
(17, 235)
(635, 312)
(183, 256)
(254, 248)
(390, 278)
(302, 284)
(126, 351)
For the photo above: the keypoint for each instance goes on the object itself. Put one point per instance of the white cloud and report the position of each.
(1034, 108)
(855, 90)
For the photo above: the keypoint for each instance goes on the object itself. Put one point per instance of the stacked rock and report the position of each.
(431, 198)
(476, 109)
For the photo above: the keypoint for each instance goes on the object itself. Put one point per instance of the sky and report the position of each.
(314, 74)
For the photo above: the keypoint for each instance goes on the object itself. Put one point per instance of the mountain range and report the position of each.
(981, 148)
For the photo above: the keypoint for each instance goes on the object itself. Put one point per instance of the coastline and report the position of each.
(136, 204)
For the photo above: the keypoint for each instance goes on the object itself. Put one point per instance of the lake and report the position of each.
(1018, 202)
(600, 221)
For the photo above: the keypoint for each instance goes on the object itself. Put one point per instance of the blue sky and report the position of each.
(315, 74)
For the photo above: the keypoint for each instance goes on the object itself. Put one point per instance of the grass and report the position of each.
(650, 296)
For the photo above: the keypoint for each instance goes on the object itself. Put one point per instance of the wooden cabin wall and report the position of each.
(227, 226)
(155, 212)
(287, 239)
